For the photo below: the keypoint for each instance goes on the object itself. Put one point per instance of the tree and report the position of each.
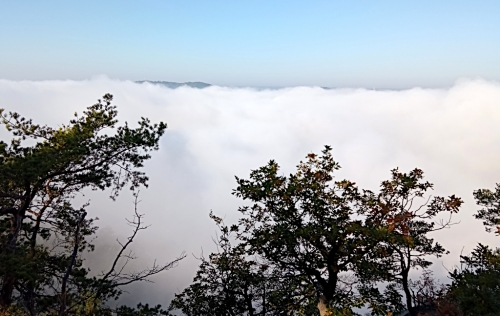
(490, 213)
(141, 310)
(333, 244)
(311, 227)
(229, 282)
(93, 292)
(475, 286)
(340, 239)
(41, 170)
(432, 296)
(406, 224)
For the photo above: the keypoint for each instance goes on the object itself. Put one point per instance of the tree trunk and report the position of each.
(328, 289)
(323, 306)
(8, 280)
(30, 288)
(62, 297)
(6, 292)
(16, 222)
(406, 289)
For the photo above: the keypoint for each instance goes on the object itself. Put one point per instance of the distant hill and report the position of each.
(173, 85)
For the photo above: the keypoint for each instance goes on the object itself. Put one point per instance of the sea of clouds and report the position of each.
(215, 133)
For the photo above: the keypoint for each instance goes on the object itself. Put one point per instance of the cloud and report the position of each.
(215, 133)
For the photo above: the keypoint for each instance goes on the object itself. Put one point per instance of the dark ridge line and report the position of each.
(174, 85)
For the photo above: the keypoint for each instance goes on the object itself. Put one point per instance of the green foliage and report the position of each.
(475, 287)
(42, 236)
(307, 226)
(336, 244)
(490, 213)
(342, 239)
(406, 218)
(230, 282)
(80, 154)
(140, 310)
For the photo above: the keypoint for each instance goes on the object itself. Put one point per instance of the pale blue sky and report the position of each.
(379, 44)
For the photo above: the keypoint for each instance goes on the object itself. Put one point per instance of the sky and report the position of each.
(371, 44)
(217, 133)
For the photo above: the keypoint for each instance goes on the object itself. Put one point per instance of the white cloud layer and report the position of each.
(215, 133)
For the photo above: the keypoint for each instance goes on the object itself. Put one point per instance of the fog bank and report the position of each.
(215, 133)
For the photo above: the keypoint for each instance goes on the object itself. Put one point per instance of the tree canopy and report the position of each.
(42, 235)
(335, 242)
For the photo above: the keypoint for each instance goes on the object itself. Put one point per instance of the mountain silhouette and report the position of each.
(173, 85)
